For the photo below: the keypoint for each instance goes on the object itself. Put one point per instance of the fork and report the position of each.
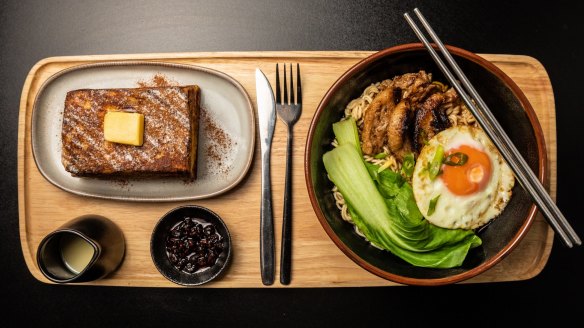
(288, 111)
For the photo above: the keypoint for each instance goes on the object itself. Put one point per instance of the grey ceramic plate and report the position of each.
(222, 97)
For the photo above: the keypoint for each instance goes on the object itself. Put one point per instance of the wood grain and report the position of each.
(317, 262)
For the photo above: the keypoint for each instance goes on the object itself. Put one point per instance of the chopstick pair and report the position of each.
(487, 121)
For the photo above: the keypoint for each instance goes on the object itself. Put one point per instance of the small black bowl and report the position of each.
(162, 232)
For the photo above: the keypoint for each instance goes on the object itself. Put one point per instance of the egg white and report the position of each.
(468, 211)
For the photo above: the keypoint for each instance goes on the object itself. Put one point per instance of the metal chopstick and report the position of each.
(488, 122)
(505, 139)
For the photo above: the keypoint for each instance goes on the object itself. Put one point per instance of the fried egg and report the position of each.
(471, 189)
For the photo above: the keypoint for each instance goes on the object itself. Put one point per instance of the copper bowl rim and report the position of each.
(541, 174)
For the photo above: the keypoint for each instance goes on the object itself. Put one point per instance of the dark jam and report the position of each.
(193, 245)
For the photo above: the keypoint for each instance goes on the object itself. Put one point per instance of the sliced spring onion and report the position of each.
(384, 166)
(432, 205)
(456, 159)
(408, 165)
(436, 163)
(380, 156)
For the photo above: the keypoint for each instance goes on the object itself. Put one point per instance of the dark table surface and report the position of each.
(550, 32)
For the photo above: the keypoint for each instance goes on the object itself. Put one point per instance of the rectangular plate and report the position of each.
(317, 262)
(223, 99)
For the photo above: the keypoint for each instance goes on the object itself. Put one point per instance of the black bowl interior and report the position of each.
(508, 110)
(159, 254)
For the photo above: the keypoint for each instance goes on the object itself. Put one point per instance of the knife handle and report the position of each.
(267, 260)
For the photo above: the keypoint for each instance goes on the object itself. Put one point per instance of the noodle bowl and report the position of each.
(508, 104)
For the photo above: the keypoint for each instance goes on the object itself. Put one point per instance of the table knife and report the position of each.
(267, 122)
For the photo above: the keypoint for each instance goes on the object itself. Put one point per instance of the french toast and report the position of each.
(171, 124)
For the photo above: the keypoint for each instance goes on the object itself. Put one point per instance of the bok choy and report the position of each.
(383, 208)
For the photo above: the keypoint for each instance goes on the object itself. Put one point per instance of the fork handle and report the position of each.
(267, 258)
(286, 252)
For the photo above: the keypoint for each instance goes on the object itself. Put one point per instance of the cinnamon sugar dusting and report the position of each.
(218, 144)
(215, 144)
(158, 80)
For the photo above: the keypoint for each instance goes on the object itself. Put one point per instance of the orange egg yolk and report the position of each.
(470, 177)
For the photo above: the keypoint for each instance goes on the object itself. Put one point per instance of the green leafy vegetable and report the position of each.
(346, 132)
(383, 207)
(392, 181)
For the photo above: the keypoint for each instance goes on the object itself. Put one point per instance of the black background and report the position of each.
(550, 32)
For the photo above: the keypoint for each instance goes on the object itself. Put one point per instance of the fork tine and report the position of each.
(298, 84)
(292, 99)
(285, 86)
(277, 84)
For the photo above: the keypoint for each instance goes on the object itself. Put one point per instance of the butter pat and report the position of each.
(125, 128)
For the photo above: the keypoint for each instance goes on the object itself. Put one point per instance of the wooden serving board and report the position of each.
(317, 262)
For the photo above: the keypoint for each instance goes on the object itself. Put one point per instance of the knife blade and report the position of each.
(267, 122)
